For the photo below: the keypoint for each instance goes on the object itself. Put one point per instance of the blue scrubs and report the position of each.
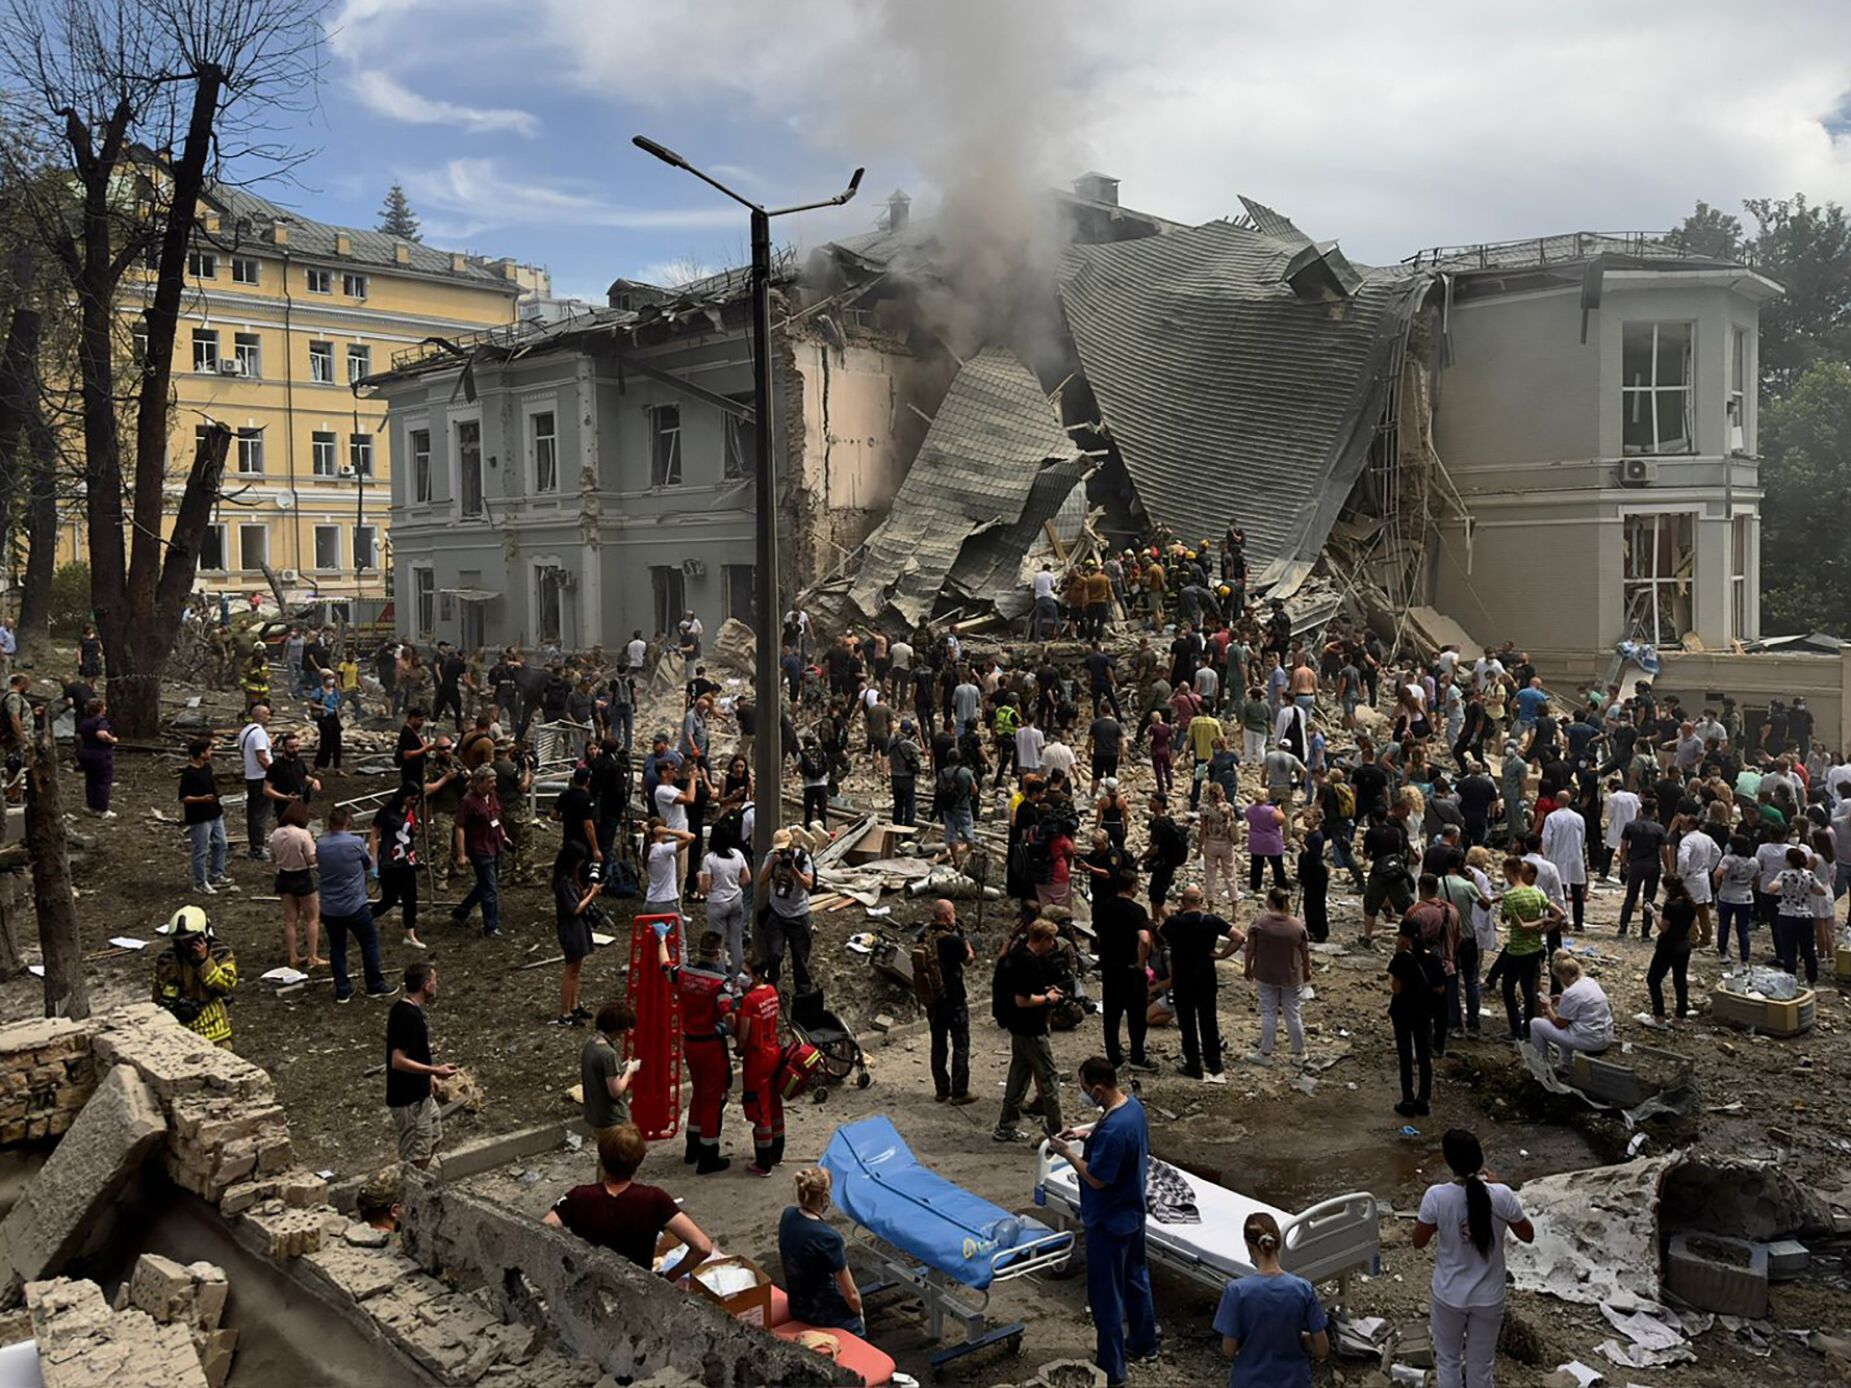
(1117, 1153)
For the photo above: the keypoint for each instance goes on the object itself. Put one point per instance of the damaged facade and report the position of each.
(1432, 435)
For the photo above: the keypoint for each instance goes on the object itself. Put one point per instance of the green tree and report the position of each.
(1806, 249)
(1709, 231)
(396, 217)
(1806, 508)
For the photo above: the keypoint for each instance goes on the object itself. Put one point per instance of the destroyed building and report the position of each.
(1427, 438)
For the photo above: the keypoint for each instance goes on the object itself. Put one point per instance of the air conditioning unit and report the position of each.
(288, 576)
(230, 366)
(1638, 472)
(346, 470)
(694, 568)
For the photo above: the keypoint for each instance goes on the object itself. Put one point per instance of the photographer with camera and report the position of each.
(784, 924)
(195, 978)
(662, 860)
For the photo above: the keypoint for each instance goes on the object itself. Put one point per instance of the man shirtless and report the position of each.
(1302, 685)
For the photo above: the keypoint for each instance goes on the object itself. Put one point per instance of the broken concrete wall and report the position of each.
(597, 1305)
(46, 1076)
(82, 1343)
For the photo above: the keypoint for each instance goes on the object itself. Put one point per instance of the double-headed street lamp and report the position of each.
(768, 747)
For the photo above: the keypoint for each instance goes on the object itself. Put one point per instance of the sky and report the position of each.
(1390, 128)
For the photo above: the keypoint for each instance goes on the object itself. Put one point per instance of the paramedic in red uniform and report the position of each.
(759, 1054)
(705, 1005)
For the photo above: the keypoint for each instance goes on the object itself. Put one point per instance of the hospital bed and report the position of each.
(944, 1245)
(1330, 1240)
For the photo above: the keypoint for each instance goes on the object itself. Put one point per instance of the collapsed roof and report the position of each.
(994, 469)
(1240, 370)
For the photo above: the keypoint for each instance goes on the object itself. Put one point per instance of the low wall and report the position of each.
(598, 1306)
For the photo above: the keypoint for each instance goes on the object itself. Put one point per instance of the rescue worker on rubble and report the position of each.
(706, 1004)
(195, 978)
(254, 679)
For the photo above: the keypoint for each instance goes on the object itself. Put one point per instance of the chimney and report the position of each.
(279, 232)
(343, 243)
(458, 262)
(899, 206)
(1097, 187)
(401, 253)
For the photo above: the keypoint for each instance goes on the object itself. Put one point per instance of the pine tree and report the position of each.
(396, 217)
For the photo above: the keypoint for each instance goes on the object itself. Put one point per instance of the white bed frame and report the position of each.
(1330, 1240)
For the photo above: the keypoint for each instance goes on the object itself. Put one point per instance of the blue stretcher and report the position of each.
(946, 1245)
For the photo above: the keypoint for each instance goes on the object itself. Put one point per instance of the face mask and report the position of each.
(1092, 1098)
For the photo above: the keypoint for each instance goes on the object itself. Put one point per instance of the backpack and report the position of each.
(909, 757)
(928, 979)
(1345, 798)
(797, 1068)
(1038, 856)
(952, 792)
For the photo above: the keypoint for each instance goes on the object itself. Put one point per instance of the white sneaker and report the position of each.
(205, 888)
(1259, 1058)
(1214, 1077)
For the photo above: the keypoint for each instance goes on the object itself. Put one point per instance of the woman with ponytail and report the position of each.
(1271, 1324)
(1468, 1217)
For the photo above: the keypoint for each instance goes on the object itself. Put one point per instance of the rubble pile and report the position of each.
(192, 1296)
(82, 1342)
(46, 1076)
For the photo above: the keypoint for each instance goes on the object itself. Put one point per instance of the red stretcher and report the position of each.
(655, 1093)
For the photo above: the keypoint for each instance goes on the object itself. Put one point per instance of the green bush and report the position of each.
(70, 600)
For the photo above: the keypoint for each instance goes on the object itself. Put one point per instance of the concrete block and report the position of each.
(1714, 1273)
(162, 1288)
(366, 1236)
(239, 1198)
(360, 1273)
(1787, 1259)
(82, 1343)
(215, 1350)
(120, 1125)
(302, 1189)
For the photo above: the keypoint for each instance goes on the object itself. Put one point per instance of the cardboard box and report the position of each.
(750, 1304)
(1841, 965)
(1773, 1017)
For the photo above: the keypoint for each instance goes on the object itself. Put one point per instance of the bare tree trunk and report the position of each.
(34, 629)
(67, 994)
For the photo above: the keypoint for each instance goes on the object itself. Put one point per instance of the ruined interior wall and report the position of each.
(597, 1305)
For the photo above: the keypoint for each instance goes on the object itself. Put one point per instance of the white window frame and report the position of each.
(321, 363)
(1739, 356)
(1664, 587)
(423, 599)
(247, 350)
(319, 281)
(456, 423)
(675, 470)
(531, 415)
(215, 528)
(1741, 552)
(324, 454)
(359, 361)
(419, 488)
(321, 531)
(249, 444)
(246, 269)
(738, 438)
(370, 549)
(245, 529)
(1635, 396)
(206, 361)
(354, 284)
(360, 454)
(202, 265)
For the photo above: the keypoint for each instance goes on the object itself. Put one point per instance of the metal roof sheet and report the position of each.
(1226, 394)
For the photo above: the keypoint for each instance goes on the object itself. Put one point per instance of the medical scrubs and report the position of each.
(1117, 1153)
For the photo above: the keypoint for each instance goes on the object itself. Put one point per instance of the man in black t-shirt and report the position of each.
(204, 817)
(576, 814)
(1196, 939)
(949, 1014)
(1370, 783)
(409, 1071)
(1643, 842)
(410, 752)
(1025, 992)
(1121, 932)
(1478, 798)
(450, 670)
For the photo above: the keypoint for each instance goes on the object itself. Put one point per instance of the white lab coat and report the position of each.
(1622, 809)
(1564, 843)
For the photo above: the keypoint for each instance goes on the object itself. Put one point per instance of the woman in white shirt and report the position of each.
(1580, 1020)
(1467, 1218)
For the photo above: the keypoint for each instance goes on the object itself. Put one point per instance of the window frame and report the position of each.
(213, 529)
(371, 532)
(244, 529)
(354, 284)
(319, 531)
(249, 444)
(361, 353)
(1650, 392)
(324, 444)
(318, 281)
(739, 444)
(321, 363)
(1737, 408)
(1660, 580)
(360, 454)
(208, 364)
(665, 463)
(202, 265)
(457, 424)
(421, 475)
(246, 269)
(541, 462)
(1741, 536)
(424, 601)
(247, 349)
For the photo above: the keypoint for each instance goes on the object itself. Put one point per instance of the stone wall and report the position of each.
(82, 1343)
(597, 1305)
(46, 1075)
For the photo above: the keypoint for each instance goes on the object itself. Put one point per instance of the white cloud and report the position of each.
(383, 93)
(480, 194)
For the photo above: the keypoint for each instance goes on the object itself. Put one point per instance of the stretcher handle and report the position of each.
(1358, 1207)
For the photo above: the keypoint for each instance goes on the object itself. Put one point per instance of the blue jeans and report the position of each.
(208, 841)
(361, 927)
(486, 893)
(622, 718)
(1117, 1288)
(1742, 915)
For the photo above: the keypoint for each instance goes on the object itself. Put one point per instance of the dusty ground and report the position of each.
(1783, 1100)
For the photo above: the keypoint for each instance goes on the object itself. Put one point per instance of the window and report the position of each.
(353, 286)
(1738, 392)
(420, 441)
(1741, 629)
(360, 454)
(327, 547)
(251, 452)
(544, 428)
(202, 265)
(741, 445)
(138, 343)
(248, 348)
(253, 546)
(469, 465)
(320, 281)
(549, 583)
(739, 590)
(205, 349)
(1659, 568)
(365, 543)
(321, 454)
(1655, 388)
(212, 549)
(321, 362)
(359, 362)
(424, 601)
(665, 449)
(245, 270)
(667, 594)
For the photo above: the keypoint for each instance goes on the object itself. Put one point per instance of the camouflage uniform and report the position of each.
(517, 864)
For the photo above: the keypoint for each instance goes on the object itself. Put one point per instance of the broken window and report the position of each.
(420, 464)
(549, 582)
(741, 443)
(1739, 628)
(1659, 565)
(665, 446)
(469, 465)
(1738, 392)
(545, 427)
(424, 601)
(668, 595)
(739, 588)
(1655, 388)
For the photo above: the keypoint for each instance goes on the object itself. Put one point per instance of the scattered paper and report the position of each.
(284, 975)
(36, 970)
(602, 940)
(880, 910)
(1580, 1372)
(127, 942)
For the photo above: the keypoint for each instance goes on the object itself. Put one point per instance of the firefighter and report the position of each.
(254, 679)
(706, 1004)
(760, 1053)
(194, 980)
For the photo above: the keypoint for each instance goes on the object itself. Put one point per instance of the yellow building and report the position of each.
(281, 315)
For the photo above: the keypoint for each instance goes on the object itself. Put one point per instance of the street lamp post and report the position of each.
(767, 748)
